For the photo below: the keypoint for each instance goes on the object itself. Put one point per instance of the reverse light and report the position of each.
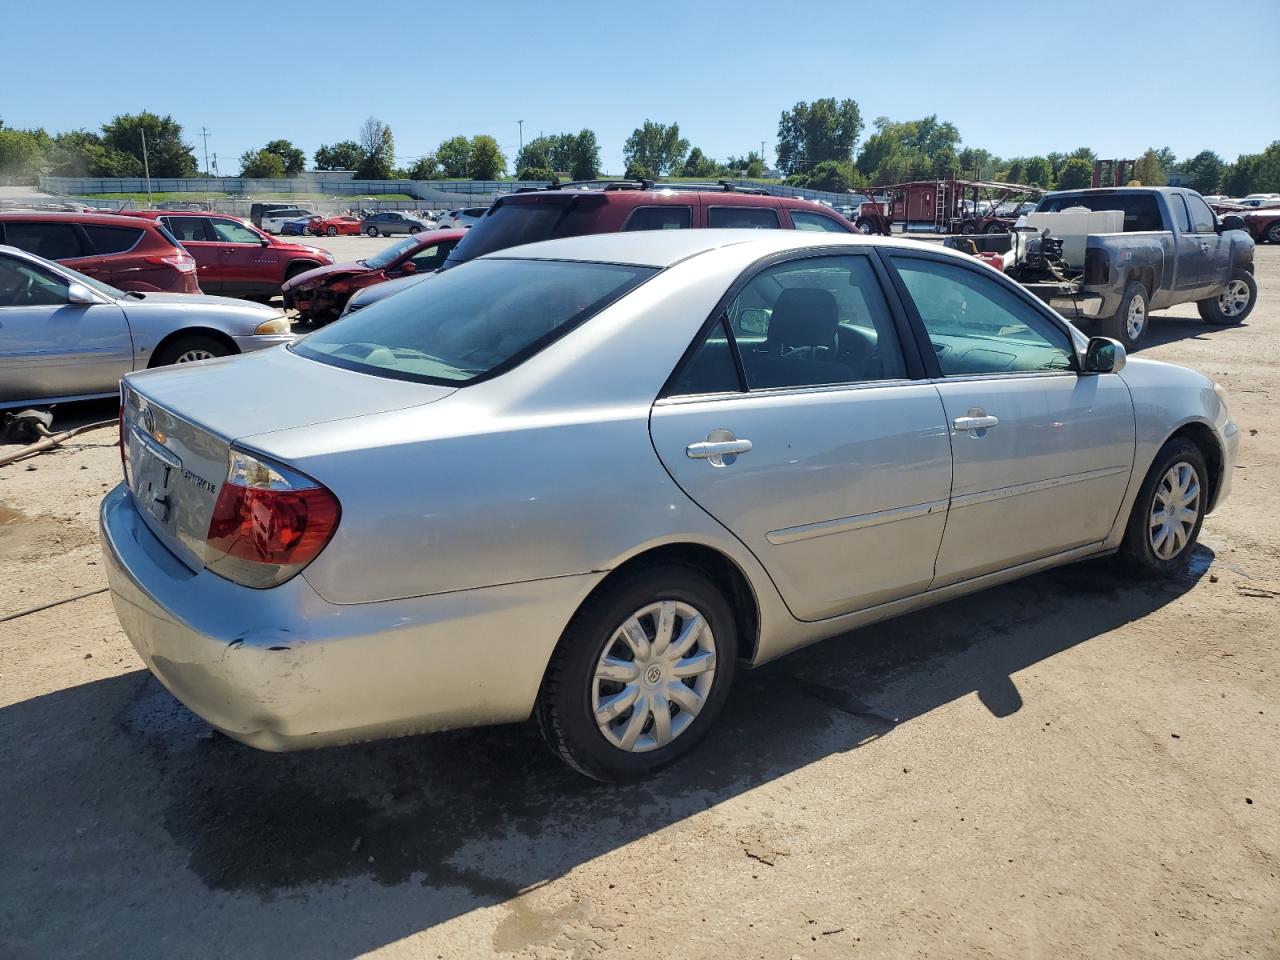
(276, 325)
(268, 523)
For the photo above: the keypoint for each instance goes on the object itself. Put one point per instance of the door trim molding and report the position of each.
(1017, 490)
(823, 528)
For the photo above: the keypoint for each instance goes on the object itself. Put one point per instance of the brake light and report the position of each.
(268, 523)
(184, 262)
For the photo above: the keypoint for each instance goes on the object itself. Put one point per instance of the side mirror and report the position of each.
(263, 241)
(1231, 222)
(81, 296)
(408, 267)
(1104, 355)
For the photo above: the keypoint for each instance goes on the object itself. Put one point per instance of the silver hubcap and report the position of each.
(1137, 318)
(1234, 299)
(191, 356)
(1175, 510)
(654, 676)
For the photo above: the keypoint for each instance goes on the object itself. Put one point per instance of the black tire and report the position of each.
(176, 350)
(1273, 233)
(413, 230)
(372, 231)
(968, 228)
(996, 228)
(564, 709)
(1137, 552)
(1212, 310)
(1117, 326)
(865, 227)
(331, 231)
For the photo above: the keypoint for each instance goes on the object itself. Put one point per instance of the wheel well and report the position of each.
(1144, 276)
(299, 266)
(1204, 438)
(192, 332)
(724, 573)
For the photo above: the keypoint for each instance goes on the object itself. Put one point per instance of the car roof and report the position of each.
(157, 214)
(662, 248)
(101, 219)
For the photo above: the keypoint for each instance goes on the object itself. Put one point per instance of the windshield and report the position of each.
(513, 223)
(472, 322)
(1140, 209)
(391, 254)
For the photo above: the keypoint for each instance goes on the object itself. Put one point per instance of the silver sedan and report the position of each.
(65, 336)
(587, 479)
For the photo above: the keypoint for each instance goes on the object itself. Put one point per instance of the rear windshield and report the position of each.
(1140, 209)
(513, 223)
(472, 322)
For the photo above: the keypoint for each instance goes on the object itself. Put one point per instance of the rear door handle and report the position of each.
(975, 423)
(720, 449)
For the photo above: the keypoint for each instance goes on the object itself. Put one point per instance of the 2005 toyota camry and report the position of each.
(586, 479)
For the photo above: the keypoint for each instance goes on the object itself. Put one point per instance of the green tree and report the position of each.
(638, 171)
(1203, 172)
(81, 153)
(424, 168)
(1039, 171)
(536, 154)
(487, 160)
(537, 173)
(808, 134)
(1148, 170)
(1168, 162)
(21, 154)
(1016, 172)
(656, 147)
(1076, 174)
(454, 157)
(698, 164)
(261, 164)
(835, 176)
(912, 149)
(167, 155)
(345, 155)
(293, 159)
(976, 162)
(584, 156)
(377, 150)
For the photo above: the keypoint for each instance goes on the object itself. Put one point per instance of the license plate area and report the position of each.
(154, 471)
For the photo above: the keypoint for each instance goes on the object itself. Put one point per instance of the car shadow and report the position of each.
(371, 843)
(1165, 329)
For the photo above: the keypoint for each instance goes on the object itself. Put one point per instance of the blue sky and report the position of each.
(1190, 75)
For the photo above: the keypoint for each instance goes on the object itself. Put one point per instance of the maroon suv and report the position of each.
(127, 253)
(235, 259)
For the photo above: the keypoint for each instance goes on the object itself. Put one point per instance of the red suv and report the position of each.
(121, 251)
(573, 209)
(235, 259)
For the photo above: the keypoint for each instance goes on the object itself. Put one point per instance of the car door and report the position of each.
(1042, 454)
(246, 265)
(800, 424)
(59, 240)
(199, 240)
(50, 347)
(1213, 251)
(1188, 270)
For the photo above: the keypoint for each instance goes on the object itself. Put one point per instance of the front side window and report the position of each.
(474, 321)
(660, 218)
(24, 285)
(804, 220)
(977, 326)
(231, 231)
(391, 254)
(1201, 216)
(53, 241)
(743, 218)
(430, 258)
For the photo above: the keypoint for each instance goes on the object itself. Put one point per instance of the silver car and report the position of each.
(389, 222)
(65, 336)
(587, 479)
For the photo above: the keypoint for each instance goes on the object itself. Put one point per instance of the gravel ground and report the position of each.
(1070, 766)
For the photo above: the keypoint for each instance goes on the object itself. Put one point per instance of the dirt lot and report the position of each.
(1070, 766)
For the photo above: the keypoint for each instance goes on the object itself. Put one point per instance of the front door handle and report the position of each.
(720, 449)
(975, 423)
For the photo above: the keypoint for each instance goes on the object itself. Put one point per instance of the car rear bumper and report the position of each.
(1081, 305)
(282, 669)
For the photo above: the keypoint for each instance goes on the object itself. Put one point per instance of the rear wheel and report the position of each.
(413, 230)
(1129, 324)
(190, 349)
(1273, 232)
(1166, 516)
(1233, 304)
(968, 228)
(641, 672)
(996, 228)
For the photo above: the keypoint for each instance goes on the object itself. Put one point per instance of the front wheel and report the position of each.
(331, 231)
(1166, 516)
(1233, 304)
(372, 231)
(641, 672)
(968, 228)
(413, 230)
(189, 350)
(1129, 324)
(993, 228)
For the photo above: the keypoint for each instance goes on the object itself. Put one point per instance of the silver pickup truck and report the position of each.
(1173, 250)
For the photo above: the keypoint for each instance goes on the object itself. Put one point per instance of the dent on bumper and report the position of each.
(282, 669)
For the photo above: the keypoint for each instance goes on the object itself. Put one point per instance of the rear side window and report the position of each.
(749, 218)
(805, 220)
(474, 321)
(514, 223)
(1180, 216)
(186, 228)
(660, 218)
(53, 241)
(112, 239)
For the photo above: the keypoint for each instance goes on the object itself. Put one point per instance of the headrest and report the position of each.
(804, 317)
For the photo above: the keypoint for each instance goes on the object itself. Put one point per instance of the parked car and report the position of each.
(627, 206)
(273, 221)
(387, 222)
(67, 336)
(334, 226)
(1255, 201)
(1173, 250)
(257, 210)
(117, 250)
(320, 295)
(234, 258)
(296, 227)
(1263, 223)
(466, 217)
(586, 478)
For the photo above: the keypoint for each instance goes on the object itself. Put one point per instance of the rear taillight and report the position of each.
(268, 523)
(184, 262)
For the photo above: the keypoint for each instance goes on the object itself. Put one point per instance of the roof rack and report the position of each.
(643, 183)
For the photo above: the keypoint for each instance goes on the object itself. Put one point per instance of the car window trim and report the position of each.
(924, 342)
(772, 208)
(729, 395)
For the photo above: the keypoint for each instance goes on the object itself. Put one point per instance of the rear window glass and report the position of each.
(471, 322)
(511, 224)
(660, 218)
(112, 239)
(750, 218)
(53, 241)
(1140, 209)
(185, 228)
(804, 220)
(164, 232)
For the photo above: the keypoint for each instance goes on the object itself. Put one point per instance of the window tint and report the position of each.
(977, 326)
(430, 258)
(112, 239)
(471, 321)
(711, 369)
(1140, 209)
(53, 241)
(1201, 215)
(25, 285)
(1180, 216)
(660, 218)
(186, 228)
(232, 231)
(515, 222)
(751, 218)
(804, 220)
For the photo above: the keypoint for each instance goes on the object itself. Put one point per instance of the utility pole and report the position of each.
(146, 167)
(204, 132)
(521, 122)
(762, 153)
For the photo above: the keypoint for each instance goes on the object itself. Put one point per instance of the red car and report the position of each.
(121, 251)
(319, 295)
(235, 259)
(1262, 223)
(334, 227)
